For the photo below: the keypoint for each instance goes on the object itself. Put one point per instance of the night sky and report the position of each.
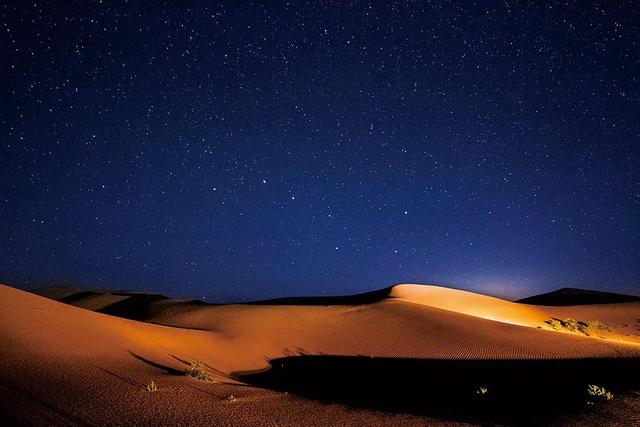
(243, 150)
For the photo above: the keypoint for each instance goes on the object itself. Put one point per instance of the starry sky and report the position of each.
(244, 150)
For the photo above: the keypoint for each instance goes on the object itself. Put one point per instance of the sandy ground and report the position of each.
(61, 364)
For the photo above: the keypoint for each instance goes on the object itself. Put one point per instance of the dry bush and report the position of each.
(593, 327)
(599, 392)
(196, 370)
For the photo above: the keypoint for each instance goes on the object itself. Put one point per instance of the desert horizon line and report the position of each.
(229, 299)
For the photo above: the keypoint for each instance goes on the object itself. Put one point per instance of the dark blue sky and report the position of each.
(246, 150)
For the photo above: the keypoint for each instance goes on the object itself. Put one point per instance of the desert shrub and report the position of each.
(568, 324)
(482, 390)
(595, 327)
(572, 325)
(152, 386)
(554, 323)
(196, 370)
(599, 392)
(230, 398)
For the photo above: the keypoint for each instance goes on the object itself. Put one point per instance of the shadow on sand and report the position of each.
(511, 391)
(134, 306)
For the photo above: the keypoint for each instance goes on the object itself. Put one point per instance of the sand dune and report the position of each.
(470, 303)
(413, 321)
(573, 296)
(623, 319)
(158, 308)
(49, 346)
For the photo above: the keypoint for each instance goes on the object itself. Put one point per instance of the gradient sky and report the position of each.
(243, 150)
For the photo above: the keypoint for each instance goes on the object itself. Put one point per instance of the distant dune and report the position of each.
(357, 299)
(61, 363)
(572, 296)
(129, 305)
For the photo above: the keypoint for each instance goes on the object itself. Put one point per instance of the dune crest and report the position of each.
(622, 320)
(470, 303)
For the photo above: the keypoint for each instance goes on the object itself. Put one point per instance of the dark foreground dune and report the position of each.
(408, 355)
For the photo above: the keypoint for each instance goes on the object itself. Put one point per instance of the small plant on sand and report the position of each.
(196, 370)
(152, 386)
(230, 398)
(595, 327)
(574, 325)
(482, 391)
(556, 324)
(568, 324)
(599, 392)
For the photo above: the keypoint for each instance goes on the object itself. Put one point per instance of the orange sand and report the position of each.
(61, 363)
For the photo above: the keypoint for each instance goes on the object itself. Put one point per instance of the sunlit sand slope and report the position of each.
(622, 320)
(470, 303)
